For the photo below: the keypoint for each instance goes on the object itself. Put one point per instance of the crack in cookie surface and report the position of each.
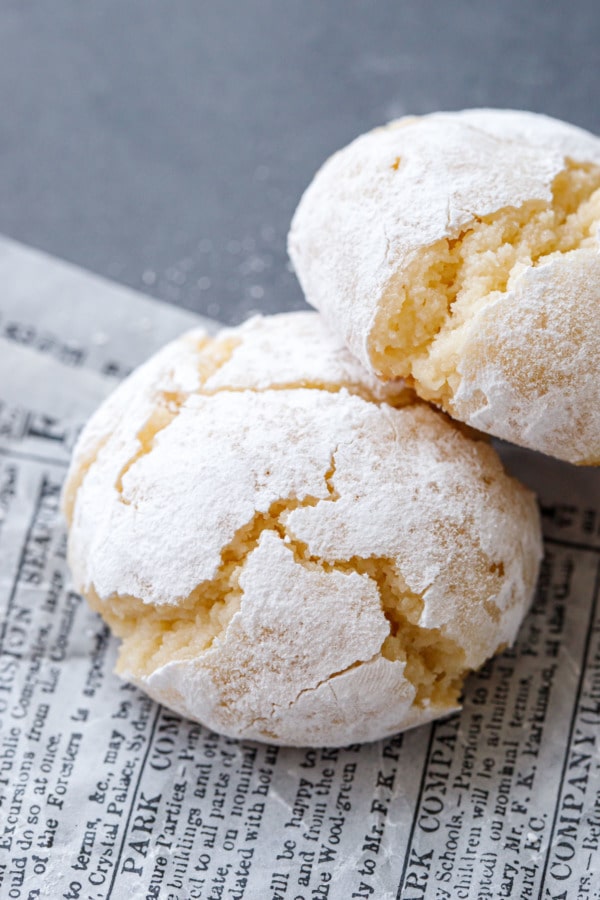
(434, 663)
(419, 329)
(170, 403)
(153, 636)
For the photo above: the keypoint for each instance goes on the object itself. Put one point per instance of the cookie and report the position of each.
(288, 549)
(460, 251)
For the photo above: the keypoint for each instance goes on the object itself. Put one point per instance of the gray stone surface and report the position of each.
(166, 144)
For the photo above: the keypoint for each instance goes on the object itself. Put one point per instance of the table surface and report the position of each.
(166, 145)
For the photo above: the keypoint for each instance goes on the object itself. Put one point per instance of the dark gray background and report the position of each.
(165, 143)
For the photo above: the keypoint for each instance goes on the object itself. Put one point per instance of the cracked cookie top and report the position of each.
(460, 251)
(288, 549)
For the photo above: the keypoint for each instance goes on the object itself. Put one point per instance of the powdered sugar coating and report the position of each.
(286, 547)
(377, 205)
(556, 411)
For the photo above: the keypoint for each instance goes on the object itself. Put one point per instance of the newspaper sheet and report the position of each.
(104, 794)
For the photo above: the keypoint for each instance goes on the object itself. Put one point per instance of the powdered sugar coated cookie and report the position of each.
(288, 550)
(460, 251)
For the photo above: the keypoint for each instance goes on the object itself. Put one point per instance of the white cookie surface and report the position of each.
(460, 251)
(289, 551)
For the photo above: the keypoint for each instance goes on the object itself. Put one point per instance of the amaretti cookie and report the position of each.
(289, 550)
(460, 251)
